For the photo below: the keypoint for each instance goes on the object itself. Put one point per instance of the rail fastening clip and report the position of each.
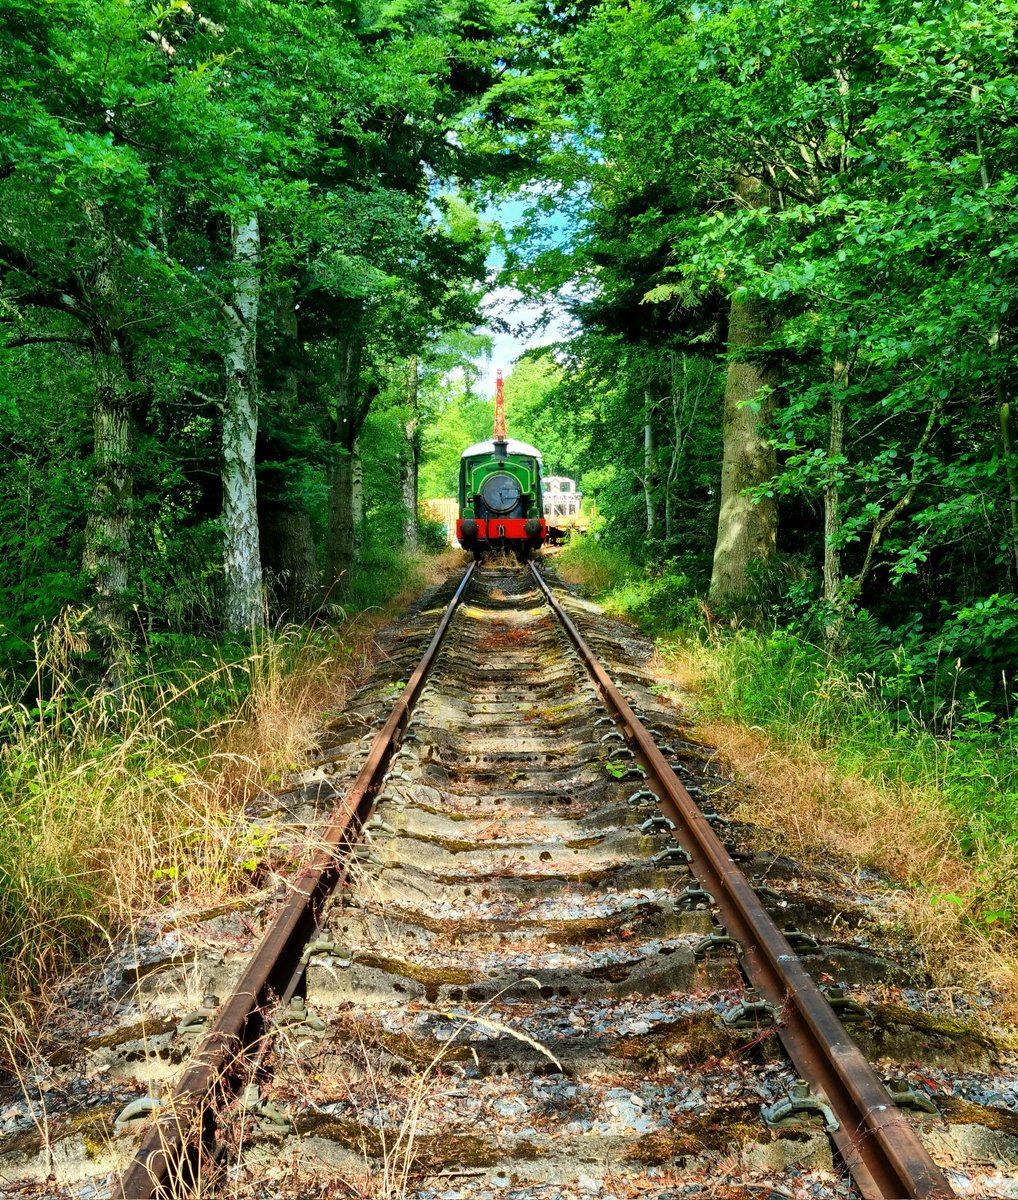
(800, 1102)
(750, 1012)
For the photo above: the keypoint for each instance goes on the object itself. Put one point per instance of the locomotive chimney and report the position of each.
(501, 442)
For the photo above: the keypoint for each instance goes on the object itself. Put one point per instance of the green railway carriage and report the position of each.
(501, 500)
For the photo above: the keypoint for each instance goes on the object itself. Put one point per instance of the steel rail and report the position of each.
(171, 1159)
(880, 1148)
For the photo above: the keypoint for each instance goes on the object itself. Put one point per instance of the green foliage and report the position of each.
(599, 567)
(884, 249)
(135, 140)
(458, 417)
(657, 602)
(432, 535)
(533, 416)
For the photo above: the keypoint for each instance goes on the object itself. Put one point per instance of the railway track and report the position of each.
(530, 959)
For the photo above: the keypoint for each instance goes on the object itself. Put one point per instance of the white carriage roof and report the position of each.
(514, 447)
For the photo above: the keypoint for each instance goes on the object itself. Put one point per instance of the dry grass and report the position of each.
(502, 560)
(904, 832)
(106, 813)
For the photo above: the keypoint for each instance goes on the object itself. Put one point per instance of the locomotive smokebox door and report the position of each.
(501, 492)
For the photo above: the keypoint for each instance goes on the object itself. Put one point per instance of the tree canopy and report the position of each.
(243, 250)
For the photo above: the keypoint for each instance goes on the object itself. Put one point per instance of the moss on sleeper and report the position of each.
(94, 1127)
(963, 1112)
(717, 1130)
(432, 978)
(690, 1043)
(947, 1027)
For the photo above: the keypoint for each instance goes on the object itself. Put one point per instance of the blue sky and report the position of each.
(542, 322)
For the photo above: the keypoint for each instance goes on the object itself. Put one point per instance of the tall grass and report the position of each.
(599, 568)
(104, 811)
(939, 807)
(963, 781)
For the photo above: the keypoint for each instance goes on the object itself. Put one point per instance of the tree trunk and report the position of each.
(108, 526)
(1011, 468)
(411, 463)
(832, 509)
(340, 544)
(288, 555)
(747, 525)
(289, 559)
(357, 497)
(242, 569)
(340, 549)
(648, 462)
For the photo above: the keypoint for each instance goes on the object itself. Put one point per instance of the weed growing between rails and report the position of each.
(105, 812)
(502, 560)
(379, 1108)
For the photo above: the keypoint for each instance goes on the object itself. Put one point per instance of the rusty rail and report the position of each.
(878, 1145)
(176, 1151)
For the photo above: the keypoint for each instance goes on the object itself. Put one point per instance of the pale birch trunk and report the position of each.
(648, 462)
(242, 568)
(411, 463)
(747, 525)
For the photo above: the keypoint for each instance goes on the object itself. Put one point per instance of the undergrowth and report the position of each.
(104, 811)
(947, 782)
